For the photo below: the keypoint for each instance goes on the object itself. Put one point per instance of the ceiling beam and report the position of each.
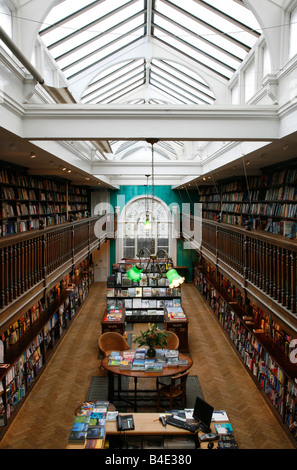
(121, 122)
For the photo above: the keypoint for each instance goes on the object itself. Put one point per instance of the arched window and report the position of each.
(134, 234)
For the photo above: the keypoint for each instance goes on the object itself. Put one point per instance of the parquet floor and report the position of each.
(46, 417)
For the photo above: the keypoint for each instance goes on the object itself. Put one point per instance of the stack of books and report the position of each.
(88, 430)
(137, 360)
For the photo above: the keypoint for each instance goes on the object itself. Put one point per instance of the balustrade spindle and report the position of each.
(293, 305)
(283, 276)
(6, 275)
(274, 272)
(288, 278)
(19, 274)
(15, 271)
(278, 271)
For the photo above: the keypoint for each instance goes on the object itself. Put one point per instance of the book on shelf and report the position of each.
(289, 229)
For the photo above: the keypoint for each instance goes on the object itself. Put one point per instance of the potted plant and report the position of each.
(153, 337)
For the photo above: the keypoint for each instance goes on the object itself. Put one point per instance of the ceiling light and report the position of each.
(32, 155)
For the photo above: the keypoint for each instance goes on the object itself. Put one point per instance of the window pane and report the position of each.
(129, 242)
(129, 253)
(293, 33)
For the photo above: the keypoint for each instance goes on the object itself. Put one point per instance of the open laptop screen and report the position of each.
(203, 414)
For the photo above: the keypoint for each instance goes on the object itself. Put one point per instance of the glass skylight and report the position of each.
(205, 35)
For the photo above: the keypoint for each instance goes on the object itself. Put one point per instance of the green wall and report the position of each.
(124, 194)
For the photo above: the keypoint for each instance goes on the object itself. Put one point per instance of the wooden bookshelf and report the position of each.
(260, 340)
(267, 202)
(30, 202)
(31, 339)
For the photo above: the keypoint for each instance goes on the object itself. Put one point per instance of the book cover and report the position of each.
(95, 432)
(114, 362)
(77, 437)
(223, 428)
(126, 364)
(138, 291)
(80, 426)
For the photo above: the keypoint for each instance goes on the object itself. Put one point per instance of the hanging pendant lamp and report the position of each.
(134, 274)
(174, 278)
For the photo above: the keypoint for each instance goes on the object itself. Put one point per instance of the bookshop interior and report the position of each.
(148, 211)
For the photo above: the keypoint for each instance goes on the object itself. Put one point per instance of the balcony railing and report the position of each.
(259, 261)
(28, 258)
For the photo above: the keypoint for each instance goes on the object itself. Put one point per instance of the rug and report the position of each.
(98, 390)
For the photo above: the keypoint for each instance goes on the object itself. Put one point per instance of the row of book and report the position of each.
(89, 425)
(13, 227)
(144, 292)
(144, 315)
(246, 334)
(283, 193)
(138, 361)
(23, 209)
(141, 303)
(19, 179)
(274, 209)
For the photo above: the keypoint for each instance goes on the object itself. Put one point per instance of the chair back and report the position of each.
(178, 384)
(172, 340)
(112, 341)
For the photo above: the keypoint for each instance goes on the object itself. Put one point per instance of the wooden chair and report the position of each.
(176, 389)
(172, 340)
(112, 341)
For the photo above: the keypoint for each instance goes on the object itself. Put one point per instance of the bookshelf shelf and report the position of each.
(31, 340)
(260, 341)
(28, 202)
(267, 202)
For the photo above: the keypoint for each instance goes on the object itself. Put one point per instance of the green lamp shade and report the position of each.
(134, 274)
(174, 278)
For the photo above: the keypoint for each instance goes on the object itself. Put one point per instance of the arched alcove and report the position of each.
(132, 234)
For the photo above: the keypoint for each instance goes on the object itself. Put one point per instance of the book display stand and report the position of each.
(144, 300)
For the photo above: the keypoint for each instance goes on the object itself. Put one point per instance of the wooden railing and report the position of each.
(260, 261)
(28, 258)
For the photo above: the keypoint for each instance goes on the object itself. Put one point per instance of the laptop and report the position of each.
(202, 414)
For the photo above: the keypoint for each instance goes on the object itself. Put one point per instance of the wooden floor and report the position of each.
(46, 417)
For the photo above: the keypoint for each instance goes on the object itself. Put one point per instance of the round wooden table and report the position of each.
(167, 371)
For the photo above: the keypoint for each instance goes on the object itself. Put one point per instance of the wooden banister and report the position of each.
(28, 258)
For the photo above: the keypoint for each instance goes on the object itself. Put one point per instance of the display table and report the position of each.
(177, 324)
(146, 427)
(118, 394)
